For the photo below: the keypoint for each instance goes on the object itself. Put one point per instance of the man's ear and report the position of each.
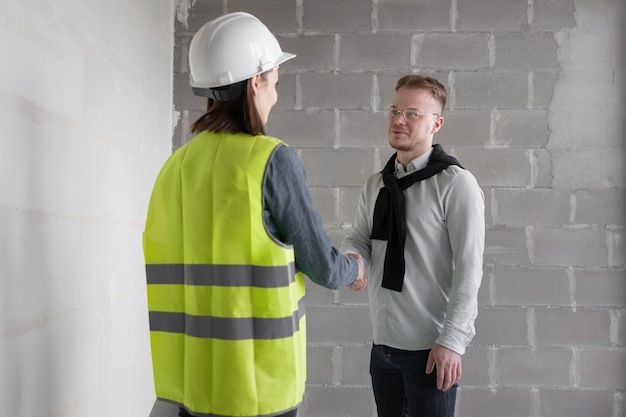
(438, 124)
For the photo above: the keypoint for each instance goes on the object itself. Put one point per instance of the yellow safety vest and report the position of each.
(226, 306)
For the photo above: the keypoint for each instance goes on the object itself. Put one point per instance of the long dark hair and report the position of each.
(234, 116)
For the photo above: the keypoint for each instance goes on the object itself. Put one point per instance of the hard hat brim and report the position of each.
(286, 56)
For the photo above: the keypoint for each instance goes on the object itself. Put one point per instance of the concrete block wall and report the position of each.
(535, 111)
(86, 116)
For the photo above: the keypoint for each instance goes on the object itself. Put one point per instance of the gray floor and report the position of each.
(163, 409)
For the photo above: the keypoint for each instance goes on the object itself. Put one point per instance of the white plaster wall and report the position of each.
(86, 121)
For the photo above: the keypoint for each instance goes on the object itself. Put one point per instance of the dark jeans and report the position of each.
(403, 389)
(183, 413)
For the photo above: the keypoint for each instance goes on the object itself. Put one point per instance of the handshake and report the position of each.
(360, 282)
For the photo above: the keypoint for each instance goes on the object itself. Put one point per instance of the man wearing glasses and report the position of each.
(420, 228)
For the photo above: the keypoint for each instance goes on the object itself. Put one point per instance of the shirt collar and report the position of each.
(415, 165)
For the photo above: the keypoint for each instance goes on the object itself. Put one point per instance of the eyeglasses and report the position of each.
(409, 113)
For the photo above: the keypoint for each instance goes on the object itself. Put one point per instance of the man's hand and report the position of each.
(360, 282)
(448, 364)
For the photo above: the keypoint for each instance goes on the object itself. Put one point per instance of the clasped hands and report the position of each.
(360, 282)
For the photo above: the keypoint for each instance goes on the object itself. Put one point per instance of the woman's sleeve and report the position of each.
(289, 213)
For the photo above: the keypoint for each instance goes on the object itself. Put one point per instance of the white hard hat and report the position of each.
(230, 49)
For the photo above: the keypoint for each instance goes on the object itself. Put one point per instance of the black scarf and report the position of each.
(390, 224)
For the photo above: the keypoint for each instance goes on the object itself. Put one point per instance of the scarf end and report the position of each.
(393, 286)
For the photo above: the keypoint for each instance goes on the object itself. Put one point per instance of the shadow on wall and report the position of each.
(622, 61)
(38, 263)
(27, 294)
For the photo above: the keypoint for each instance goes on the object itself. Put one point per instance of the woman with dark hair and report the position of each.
(230, 234)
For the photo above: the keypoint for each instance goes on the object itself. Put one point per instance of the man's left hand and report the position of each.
(448, 364)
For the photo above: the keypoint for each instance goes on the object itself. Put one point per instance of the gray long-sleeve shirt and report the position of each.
(443, 254)
(289, 216)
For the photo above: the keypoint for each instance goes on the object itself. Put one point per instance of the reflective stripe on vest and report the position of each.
(226, 306)
(227, 328)
(219, 275)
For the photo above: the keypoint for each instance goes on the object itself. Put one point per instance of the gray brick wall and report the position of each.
(534, 112)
